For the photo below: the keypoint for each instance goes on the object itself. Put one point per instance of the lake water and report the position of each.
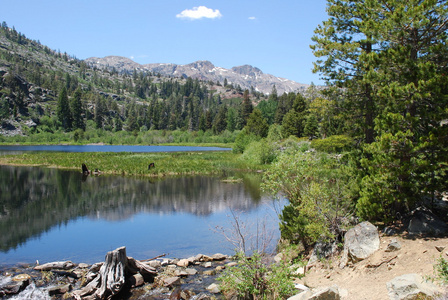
(105, 148)
(50, 215)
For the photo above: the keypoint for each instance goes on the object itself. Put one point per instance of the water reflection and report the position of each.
(56, 211)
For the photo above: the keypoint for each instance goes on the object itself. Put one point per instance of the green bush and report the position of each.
(253, 278)
(441, 270)
(319, 188)
(242, 140)
(334, 143)
(259, 152)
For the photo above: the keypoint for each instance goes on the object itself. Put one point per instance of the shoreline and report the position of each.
(193, 276)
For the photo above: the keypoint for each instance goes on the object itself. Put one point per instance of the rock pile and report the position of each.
(171, 278)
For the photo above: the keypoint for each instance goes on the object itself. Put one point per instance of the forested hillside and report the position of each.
(44, 92)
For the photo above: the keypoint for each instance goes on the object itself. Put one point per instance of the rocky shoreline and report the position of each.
(191, 278)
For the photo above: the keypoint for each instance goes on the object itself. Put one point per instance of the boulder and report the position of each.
(191, 271)
(360, 242)
(154, 263)
(321, 293)
(213, 288)
(21, 277)
(83, 266)
(410, 286)
(219, 256)
(60, 289)
(394, 245)
(423, 221)
(170, 281)
(183, 263)
(321, 250)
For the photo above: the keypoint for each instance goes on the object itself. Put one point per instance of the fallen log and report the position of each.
(64, 265)
(116, 272)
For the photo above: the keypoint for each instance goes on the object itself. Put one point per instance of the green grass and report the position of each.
(126, 163)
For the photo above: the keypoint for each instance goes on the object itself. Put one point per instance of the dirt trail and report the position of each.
(367, 279)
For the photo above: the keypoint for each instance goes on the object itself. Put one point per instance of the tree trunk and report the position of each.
(112, 276)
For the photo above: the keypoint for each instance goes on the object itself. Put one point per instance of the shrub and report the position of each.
(253, 278)
(334, 143)
(441, 270)
(242, 140)
(319, 189)
(259, 152)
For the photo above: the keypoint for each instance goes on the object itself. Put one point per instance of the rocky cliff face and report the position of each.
(245, 76)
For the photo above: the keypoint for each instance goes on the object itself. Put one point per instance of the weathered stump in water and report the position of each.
(112, 276)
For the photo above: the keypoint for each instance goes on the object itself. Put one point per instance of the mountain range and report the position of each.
(245, 76)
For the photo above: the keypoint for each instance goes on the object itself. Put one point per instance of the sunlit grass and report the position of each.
(126, 163)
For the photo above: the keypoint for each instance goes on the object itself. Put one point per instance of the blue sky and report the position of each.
(271, 35)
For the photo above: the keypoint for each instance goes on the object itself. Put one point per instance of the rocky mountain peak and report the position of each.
(245, 76)
(247, 70)
(204, 65)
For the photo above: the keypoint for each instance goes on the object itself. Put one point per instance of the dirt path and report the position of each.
(367, 279)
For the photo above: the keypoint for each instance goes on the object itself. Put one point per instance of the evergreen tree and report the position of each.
(63, 110)
(292, 124)
(100, 111)
(231, 119)
(311, 128)
(4, 108)
(391, 58)
(76, 110)
(246, 108)
(268, 109)
(257, 124)
(220, 122)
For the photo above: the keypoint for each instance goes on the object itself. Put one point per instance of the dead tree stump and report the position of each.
(112, 276)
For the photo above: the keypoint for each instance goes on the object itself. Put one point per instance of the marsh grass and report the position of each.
(126, 163)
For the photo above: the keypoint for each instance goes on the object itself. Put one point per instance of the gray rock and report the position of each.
(181, 273)
(321, 293)
(183, 263)
(206, 258)
(232, 264)
(154, 263)
(60, 289)
(321, 250)
(208, 265)
(83, 266)
(213, 288)
(410, 286)
(389, 231)
(191, 271)
(423, 221)
(394, 245)
(170, 281)
(219, 256)
(360, 242)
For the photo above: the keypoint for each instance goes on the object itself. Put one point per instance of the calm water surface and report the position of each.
(50, 214)
(106, 148)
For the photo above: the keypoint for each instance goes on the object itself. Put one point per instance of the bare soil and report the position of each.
(367, 279)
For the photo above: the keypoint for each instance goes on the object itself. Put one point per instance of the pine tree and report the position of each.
(63, 110)
(257, 124)
(76, 110)
(246, 108)
(390, 57)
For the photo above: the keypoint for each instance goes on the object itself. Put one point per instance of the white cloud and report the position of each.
(198, 13)
(252, 18)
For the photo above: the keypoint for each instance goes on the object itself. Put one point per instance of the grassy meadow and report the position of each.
(126, 163)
